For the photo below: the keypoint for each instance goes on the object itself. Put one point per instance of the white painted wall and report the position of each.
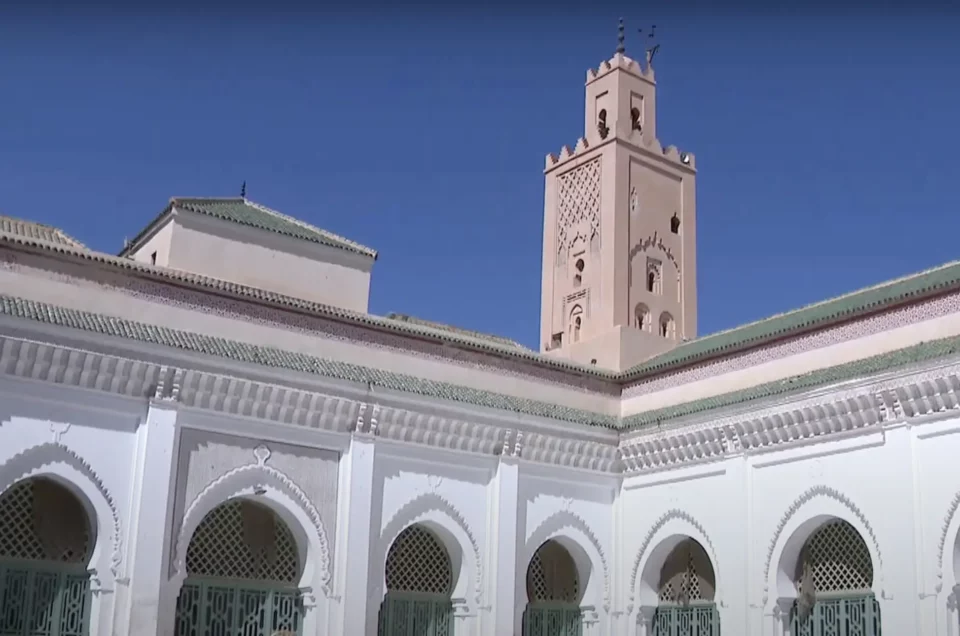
(896, 484)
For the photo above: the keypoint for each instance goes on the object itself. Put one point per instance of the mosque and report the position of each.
(209, 434)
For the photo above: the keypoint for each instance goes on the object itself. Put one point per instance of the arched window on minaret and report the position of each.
(576, 323)
(675, 223)
(667, 326)
(635, 118)
(578, 272)
(602, 127)
(641, 318)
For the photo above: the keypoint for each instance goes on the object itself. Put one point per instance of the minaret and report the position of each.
(619, 238)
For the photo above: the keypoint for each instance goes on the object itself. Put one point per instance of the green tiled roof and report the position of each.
(506, 342)
(882, 296)
(922, 352)
(245, 212)
(294, 361)
(37, 231)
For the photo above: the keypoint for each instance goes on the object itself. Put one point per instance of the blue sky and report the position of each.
(826, 146)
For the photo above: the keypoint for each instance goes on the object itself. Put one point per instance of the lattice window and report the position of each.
(244, 540)
(418, 562)
(552, 575)
(839, 559)
(687, 575)
(578, 204)
(42, 520)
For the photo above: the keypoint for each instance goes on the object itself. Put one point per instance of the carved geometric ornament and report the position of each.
(578, 205)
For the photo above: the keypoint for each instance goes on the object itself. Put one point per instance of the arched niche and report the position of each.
(419, 576)
(243, 565)
(47, 539)
(554, 590)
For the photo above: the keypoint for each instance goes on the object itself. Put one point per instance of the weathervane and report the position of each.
(654, 47)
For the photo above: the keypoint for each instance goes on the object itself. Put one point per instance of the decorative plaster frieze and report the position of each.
(232, 483)
(27, 461)
(845, 410)
(571, 452)
(830, 493)
(438, 431)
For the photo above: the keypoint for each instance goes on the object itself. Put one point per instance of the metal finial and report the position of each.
(243, 190)
(620, 47)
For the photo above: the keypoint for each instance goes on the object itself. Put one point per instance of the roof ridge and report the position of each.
(307, 226)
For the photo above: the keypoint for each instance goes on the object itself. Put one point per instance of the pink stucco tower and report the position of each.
(619, 238)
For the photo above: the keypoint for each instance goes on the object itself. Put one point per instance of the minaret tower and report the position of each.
(619, 237)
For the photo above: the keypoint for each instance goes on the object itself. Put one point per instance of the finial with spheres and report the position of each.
(620, 47)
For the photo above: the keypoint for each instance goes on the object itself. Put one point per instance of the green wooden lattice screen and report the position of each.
(412, 614)
(688, 620)
(43, 601)
(841, 616)
(552, 619)
(223, 609)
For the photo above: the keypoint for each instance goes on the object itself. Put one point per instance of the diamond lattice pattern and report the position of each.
(839, 559)
(578, 204)
(244, 540)
(552, 575)
(418, 562)
(686, 575)
(42, 520)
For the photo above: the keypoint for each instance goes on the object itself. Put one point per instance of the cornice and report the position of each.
(852, 408)
(254, 399)
(826, 413)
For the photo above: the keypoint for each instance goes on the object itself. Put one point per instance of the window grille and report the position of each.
(41, 520)
(687, 575)
(243, 540)
(45, 542)
(839, 559)
(552, 575)
(418, 562)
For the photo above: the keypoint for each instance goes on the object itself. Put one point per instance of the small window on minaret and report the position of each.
(642, 318)
(602, 127)
(635, 118)
(578, 276)
(653, 276)
(651, 280)
(577, 323)
(675, 224)
(153, 258)
(667, 327)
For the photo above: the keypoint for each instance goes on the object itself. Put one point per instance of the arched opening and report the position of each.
(667, 326)
(641, 317)
(834, 575)
(46, 540)
(243, 567)
(578, 274)
(635, 118)
(602, 127)
(686, 593)
(576, 323)
(419, 581)
(553, 593)
(651, 280)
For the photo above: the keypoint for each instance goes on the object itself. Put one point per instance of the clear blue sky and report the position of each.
(826, 146)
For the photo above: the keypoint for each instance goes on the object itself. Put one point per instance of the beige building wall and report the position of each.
(619, 262)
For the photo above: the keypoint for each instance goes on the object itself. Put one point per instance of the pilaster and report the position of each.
(150, 534)
(359, 607)
(508, 592)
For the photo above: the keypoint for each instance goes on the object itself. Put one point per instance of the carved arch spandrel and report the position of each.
(37, 460)
(241, 481)
(856, 517)
(554, 527)
(693, 529)
(418, 510)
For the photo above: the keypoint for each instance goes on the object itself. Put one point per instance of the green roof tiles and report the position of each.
(506, 342)
(900, 358)
(874, 298)
(294, 361)
(245, 212)
(38, 231)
